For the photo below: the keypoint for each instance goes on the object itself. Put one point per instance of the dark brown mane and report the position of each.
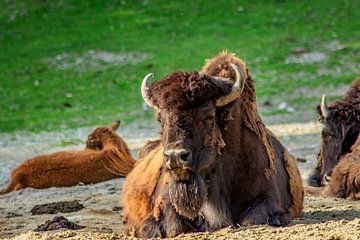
(220, 67)
(182, 90)
(348, 108)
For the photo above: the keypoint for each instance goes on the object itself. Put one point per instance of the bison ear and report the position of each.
(115, 125)
(321, 118)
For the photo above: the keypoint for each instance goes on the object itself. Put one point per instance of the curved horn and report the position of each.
(236, 89)
(324, 107)
(145, 88)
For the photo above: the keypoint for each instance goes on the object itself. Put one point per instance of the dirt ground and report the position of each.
(323, 218)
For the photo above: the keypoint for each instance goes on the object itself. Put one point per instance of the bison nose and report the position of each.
(177, 158)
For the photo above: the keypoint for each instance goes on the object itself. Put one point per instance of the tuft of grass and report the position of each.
(49, 79)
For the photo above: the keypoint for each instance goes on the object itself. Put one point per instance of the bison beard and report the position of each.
(187, 197)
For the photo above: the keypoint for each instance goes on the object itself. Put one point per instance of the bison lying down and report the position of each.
(341, 121)
(63, 169)
(216, 164)
(345, 179)
(338, 164)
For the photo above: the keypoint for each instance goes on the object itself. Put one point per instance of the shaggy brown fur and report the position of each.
(63, 169)
(341, 128)
(148, 147)
(183, 91)
(231, 165)
(348, 108)
(146, 199)
(138, 192)
(345, 178)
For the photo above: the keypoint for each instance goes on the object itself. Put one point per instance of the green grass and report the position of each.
(175, 35)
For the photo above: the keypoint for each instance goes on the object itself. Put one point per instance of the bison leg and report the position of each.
(165, 227)
(174, 224)
(170, 224)
(265, 211)
(151, 229)
(14, 184)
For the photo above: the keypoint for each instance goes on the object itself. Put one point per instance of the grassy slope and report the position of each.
(176, 35)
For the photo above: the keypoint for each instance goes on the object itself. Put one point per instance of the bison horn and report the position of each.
(324, 107)
(145, 88)
(237, 88)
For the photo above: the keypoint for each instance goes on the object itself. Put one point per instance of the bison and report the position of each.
(341, 122)
(345, 177)
(216, 163)
(68, 168)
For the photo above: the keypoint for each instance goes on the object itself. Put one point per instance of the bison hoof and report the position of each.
(279, 220)
(151, 229)
(276, 220)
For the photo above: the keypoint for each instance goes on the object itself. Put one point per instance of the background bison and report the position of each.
(91, 165)
(345, 177)
(216, 164)
(341, 128)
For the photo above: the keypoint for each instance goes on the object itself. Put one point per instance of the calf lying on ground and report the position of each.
(68, 168)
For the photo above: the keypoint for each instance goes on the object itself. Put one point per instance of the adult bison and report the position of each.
(341, 122)
(216, 164)
(345, 177)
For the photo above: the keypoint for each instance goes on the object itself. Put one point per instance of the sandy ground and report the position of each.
(323, 218)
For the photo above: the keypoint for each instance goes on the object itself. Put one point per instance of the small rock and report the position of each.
(56, 207)
(12, 215)
(117, 208)
(56, 223)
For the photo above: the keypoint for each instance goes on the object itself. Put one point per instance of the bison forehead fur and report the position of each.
(182, 90)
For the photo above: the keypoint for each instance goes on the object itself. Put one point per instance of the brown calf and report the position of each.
(68, 168)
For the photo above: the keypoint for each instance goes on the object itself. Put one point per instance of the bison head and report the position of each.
(98, 137)
(188, 108)
(338, 135)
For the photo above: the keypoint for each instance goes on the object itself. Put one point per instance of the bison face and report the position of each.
(101, 135)
(338, 135)
(186, 104)
(192, 140)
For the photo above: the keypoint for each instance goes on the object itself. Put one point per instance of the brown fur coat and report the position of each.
(68, 168)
